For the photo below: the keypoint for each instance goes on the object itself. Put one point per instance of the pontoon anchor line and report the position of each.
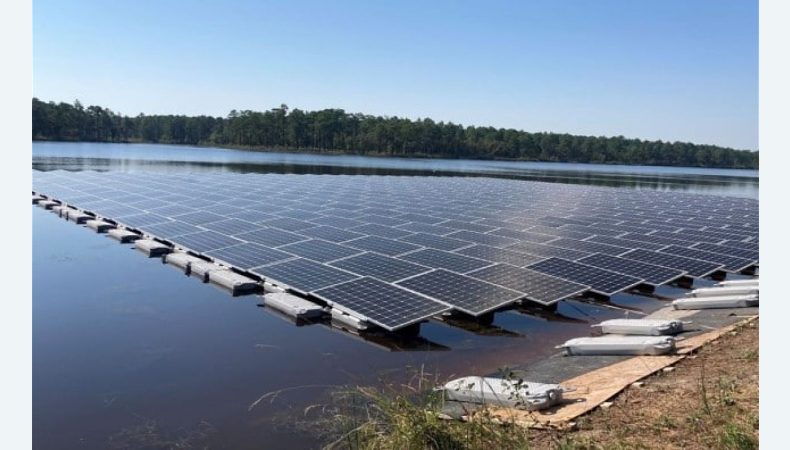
(392, 252)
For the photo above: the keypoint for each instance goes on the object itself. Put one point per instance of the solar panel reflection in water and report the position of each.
(472, 296)
(538, 287)
(382, 303)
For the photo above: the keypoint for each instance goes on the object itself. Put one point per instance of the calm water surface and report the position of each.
(130, 353)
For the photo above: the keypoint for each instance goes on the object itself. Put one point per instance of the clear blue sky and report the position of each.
(660, 69)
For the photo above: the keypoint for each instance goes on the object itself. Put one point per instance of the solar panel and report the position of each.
(199, 218)
(751, 245)
(437, 242)
(591, 230)
(205, 240)
(252, 216)
(139, 220)
(625, 243)
(383, 304)
(381, 230)
(500, 255)
(286, 223)
(482, 238)
(468, 226)
(602, 281)
(231, 226)
(303, 275)
(114, 211)
(694, 267)
(379, 266)
(223, 209)
(271, 237)
(381, 220)
(330, 234)
(247, 255)
(298, 214)
(650, 273)
(171, 209)
(750, 255)
(420, 218)
(404, 228)
(587, 246)
(661, 240)
(469, 295)
(417, 227)
(538, 287)
(318, 250)
(528, 236)
(548, 251)
(730, 263)
(440, 259)
(337, 222)
(171, 229)
(382, 245)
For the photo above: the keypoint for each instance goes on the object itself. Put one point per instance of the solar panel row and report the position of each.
(473, 244)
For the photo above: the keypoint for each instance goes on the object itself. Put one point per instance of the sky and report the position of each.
(658, 69)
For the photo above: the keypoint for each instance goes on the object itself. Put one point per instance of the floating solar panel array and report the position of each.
(396, 250)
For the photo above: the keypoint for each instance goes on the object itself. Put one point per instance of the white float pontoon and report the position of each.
(619, 345)
(727, 301)
(642, 327)
(504, 392)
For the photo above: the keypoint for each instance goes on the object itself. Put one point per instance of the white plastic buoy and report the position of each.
(728, 301)
(643, 327)
(504, 392)
(725, 290)
(619, 345)
(748, 282)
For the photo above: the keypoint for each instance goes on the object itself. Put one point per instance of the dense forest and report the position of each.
(336, 131)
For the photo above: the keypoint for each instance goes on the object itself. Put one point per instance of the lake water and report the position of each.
(128, 352)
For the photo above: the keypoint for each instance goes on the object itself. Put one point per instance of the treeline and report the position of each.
(334, 130)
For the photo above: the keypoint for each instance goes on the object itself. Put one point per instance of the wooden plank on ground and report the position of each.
(594, 388)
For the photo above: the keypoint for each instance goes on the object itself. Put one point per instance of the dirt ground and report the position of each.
(708, 400)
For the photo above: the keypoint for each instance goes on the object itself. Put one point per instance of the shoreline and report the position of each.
(383, 155)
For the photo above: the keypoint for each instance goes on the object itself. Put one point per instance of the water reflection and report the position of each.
(136, 157)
